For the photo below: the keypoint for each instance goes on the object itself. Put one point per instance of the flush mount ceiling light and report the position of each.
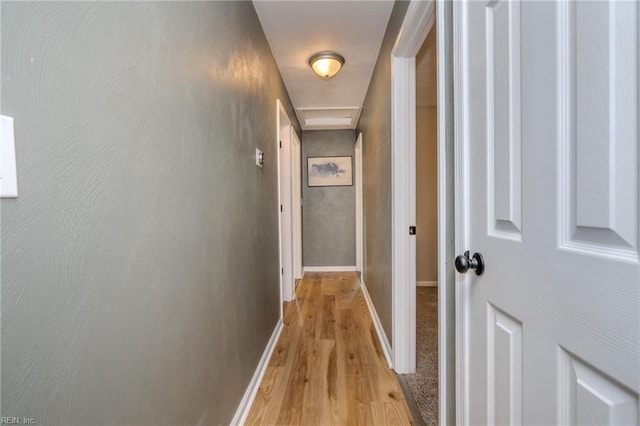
(326, 64)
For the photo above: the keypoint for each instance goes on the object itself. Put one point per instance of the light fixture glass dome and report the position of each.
(326, 64)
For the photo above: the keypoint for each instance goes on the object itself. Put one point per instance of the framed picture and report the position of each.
(329, 171)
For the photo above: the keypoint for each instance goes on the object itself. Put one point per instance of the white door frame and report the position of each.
(418, 21)
(283, 126)
(296, 203)
(359, 212)
(461, 124)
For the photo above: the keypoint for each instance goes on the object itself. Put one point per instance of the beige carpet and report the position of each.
(424, 383)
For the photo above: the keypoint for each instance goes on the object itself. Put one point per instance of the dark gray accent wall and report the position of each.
(328, 217)
(375, 125)
(140, 262)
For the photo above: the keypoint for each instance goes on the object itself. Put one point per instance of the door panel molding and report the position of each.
(587, 396)
(598, 205)
(504, 354)
(504, 139)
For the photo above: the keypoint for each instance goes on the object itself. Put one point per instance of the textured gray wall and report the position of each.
(140, 263)
(328, 219)
(375, 125)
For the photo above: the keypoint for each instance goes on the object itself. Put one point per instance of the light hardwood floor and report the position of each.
(328, 367)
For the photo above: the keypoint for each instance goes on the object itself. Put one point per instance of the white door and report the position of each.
(548, 126)
(359, 222)
(296, 204)
(284, 184)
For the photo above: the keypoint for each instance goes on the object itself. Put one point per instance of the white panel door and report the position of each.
(359, 221)
(286, 210)
(549, 139)
(296, 204)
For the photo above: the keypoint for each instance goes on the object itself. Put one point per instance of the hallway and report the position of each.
(328, 367)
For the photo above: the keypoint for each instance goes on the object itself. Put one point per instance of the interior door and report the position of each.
(286, 228)
(549, 135)
(358, 184)
(296, 204)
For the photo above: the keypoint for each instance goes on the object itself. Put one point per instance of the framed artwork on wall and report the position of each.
(329, 171)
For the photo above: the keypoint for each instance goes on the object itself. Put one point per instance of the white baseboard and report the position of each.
(382, 336)
(252, 390)
(426, 283)
(329, 269)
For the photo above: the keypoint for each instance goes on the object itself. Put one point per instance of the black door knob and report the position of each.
(464, 263)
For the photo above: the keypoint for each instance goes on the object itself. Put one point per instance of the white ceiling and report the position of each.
(298, 29)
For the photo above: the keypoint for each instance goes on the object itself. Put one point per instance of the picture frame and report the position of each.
(329, 171)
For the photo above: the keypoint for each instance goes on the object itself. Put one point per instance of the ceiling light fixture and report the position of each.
(326, 64)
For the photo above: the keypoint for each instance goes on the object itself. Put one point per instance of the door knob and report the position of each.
(464, 263)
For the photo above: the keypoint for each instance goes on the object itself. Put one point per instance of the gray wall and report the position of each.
(375, 125)
(140, 263)
(328, 212)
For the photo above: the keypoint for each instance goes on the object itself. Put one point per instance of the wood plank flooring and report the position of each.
(328, 367)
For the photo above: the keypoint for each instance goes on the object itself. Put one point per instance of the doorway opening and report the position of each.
(423, 383)
(420, 19)
(289, 205)
(359, 206)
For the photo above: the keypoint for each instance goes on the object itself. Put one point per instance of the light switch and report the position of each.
(8, 171)
(259, 158)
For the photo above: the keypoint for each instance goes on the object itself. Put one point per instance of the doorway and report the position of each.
(296, 204)
(423, 383)
(289, 205)
(359, 201)
(419, 19)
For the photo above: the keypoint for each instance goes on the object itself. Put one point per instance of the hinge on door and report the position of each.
(280, 144)
(282, 271)
(412, 230)
(280, 207)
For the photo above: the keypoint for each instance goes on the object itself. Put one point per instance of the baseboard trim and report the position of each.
(252, 390)
(426, 283)
(382, 336)
(329, 269)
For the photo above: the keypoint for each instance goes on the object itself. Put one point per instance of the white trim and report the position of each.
(254, 385)
(382, 336)
(329, 269)
(461, 132)
(446, 194)
(417, 23)
(359, 205)
(286, 291)
(426, 283)
(296, 203)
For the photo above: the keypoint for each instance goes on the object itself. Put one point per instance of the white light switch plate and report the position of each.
(259, 158)
(8, 172)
